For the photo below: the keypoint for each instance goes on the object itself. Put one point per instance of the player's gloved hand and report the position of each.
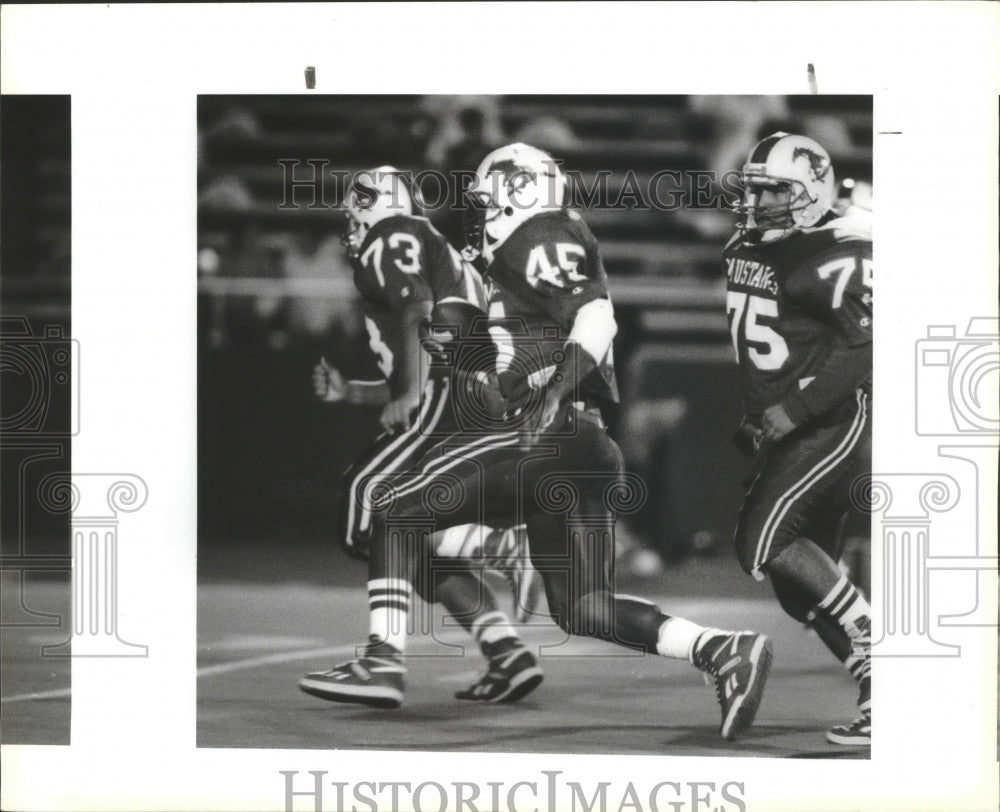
(396, 414)
(328, 383)
(775, 422)
(747, 437)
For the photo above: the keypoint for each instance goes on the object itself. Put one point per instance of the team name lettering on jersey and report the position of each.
(752, 274)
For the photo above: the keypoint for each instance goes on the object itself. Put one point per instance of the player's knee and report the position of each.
(589, 615)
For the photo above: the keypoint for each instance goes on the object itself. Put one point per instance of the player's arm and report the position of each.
(408, 385)
(399, 272)
(594, 328)
(331, 387)
(845, 297)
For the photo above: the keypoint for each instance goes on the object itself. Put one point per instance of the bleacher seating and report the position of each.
(246, 136)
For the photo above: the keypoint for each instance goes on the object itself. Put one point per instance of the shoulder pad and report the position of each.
(855, 223)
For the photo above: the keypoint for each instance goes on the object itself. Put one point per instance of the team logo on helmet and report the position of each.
(819, 165)
(512, 184)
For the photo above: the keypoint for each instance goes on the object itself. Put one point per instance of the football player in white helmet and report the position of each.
(788, 184)
(374, 195)
(512, 184)
(799, 303)
(405, 270)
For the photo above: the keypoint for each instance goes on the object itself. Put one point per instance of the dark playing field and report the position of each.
(256, 639)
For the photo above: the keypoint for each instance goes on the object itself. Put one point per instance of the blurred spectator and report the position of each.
(732, 125)
(333, 312)
(468, 127)
(237, 124)
(549, 133)
(464, 123)
(829, 131)
(735, 124)
(226, 192)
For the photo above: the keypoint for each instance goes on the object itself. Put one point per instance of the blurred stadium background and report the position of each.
(275, 293)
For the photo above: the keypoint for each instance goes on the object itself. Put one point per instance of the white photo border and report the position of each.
(135, 73)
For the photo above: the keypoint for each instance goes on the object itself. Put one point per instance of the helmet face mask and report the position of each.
(373, 196)
(788, 185)
(511, 185)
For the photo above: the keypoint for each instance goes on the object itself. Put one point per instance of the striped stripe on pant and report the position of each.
(390, 455)
(803, 488)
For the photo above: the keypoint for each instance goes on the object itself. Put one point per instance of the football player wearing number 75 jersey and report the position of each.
(799, 304)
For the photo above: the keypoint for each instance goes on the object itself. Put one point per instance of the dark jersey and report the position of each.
(539, 279)
(793, 304)
(404, 260)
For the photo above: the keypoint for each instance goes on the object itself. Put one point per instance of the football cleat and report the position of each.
(858, 733)
(513, 674)
(375, 679)
(865, 695)
(738, 663)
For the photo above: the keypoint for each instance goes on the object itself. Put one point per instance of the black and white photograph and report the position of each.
(534, 361)
(479, 406)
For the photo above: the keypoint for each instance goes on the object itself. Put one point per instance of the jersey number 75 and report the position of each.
(743, 310)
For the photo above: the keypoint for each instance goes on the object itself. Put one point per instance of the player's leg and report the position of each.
(812, 467)
(401, 545)
(390, 454)
(502, 550)
(574, 552)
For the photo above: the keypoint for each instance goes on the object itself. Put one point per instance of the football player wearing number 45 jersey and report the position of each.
(800, 312)
(541, 453)
(403, 269)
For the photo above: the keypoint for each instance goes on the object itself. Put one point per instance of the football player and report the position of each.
(799, 305)
(541, 453)
(403, 268)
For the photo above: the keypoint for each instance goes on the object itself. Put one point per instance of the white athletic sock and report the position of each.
(491, 627)
(677, 637)
(846, 605)
(388, 608)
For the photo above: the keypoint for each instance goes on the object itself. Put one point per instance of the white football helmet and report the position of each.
(512, 184)
(799, 175)
(374, 195)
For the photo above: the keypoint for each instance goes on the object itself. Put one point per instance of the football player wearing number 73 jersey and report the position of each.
(799, 304)
(404, 268)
